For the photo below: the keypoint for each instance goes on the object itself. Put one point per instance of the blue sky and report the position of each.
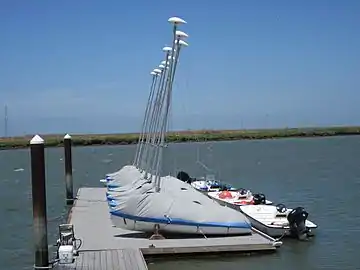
(83, 66)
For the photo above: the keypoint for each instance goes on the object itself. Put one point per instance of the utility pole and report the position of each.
(6, 122)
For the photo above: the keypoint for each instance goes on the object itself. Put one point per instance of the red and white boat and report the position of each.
(236, 198)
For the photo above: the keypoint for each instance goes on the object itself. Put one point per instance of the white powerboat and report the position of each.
(204, 184)
(236, 198)
(223, 193)
(278, 221)
(209, 184)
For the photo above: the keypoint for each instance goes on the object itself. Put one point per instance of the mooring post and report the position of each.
(68, 170)
(39, 202)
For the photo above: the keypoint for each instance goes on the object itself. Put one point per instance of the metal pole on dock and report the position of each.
(39, 202)
(68, 170)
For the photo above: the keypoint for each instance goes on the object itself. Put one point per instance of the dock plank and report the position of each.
(107, 260)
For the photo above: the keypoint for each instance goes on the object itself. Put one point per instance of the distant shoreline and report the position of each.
(56, 140)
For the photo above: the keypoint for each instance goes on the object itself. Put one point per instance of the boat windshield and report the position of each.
(210, 177)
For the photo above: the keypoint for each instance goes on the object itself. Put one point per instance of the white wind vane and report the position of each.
(149, 152)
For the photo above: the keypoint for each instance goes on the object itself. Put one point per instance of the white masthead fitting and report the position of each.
(161, 66)
(157, 70)
(182, 43)
(167, 49)
(37, 140)
(153, 73)
(176, 20)
(181, 34)
(171, 58)
(67, 137)
(163, 62)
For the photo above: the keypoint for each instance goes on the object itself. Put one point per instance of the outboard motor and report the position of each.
(281, 208)
(183, 176)
(215, 184)
(223, 187)
(297, 218)
(259, 198)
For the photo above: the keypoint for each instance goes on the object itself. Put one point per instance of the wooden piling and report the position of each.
(37, 152)
(68, 170)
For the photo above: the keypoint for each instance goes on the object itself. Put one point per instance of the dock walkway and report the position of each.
(115, 259)
(92, 224)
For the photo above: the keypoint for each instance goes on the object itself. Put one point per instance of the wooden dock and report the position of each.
(112, 259)
(107, 247)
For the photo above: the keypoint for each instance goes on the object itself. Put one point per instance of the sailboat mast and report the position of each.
(164, 125)
(160, 120)
(154, 119)
(176, 46)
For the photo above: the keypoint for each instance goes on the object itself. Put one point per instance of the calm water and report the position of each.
(323, 175)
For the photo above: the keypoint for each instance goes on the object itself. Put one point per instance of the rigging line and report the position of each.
(156, 133)
(170, 128)
(146, 111)
(157, 136)
(162, 133)
(149, 135)
(141, 135)
(150, 117)
(143, 144)
(168, 103)
(173, 45)
(157, 161)
(170, 95)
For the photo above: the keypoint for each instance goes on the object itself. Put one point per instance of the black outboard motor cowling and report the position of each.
(259, 198)
(242, 191)
(297, 218)
(223, 187)
(184, 176)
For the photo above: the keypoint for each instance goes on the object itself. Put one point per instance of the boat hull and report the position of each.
(271, 231)
(275, 231)
(201, 229)
(176, 208)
